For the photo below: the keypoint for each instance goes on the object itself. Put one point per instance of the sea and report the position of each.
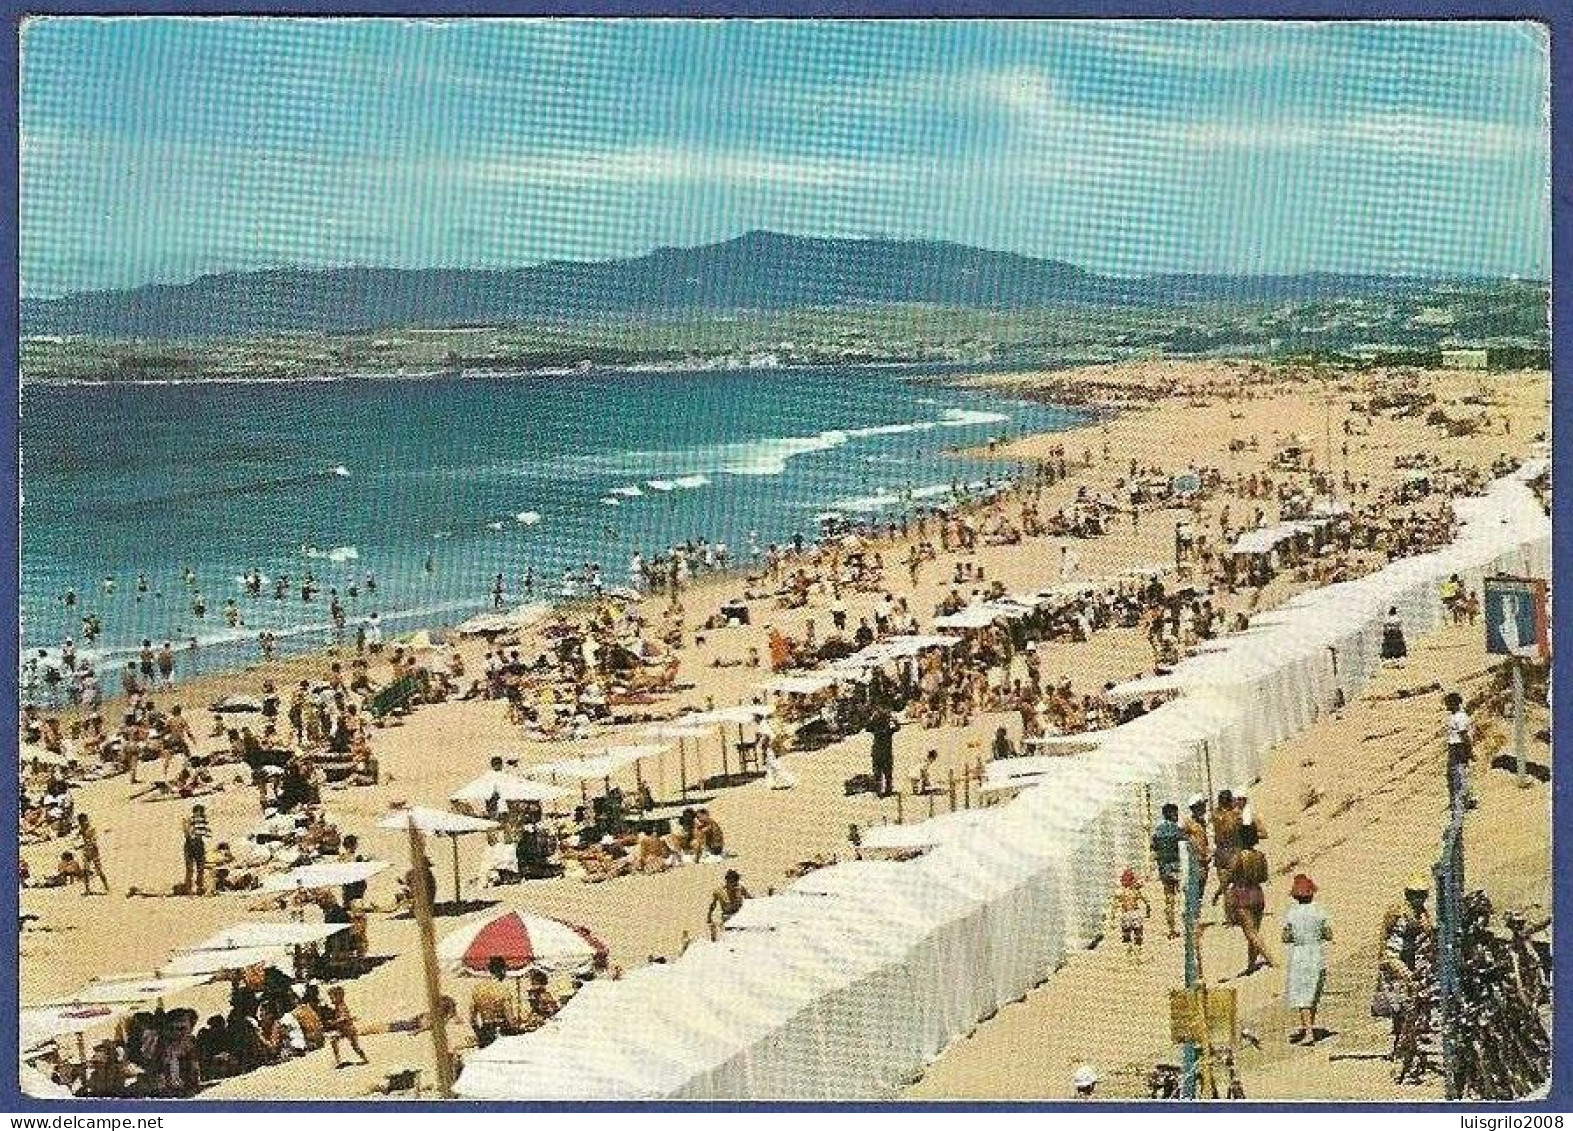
(433, 486)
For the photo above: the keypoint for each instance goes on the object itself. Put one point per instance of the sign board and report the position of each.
(1203, 1017)
(1515, 614)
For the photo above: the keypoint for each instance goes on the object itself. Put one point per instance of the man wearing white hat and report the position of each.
(1085, 1080)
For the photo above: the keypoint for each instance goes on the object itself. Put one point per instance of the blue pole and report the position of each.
(1190, 1053)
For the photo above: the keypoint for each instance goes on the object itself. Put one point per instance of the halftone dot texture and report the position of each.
(161, 149)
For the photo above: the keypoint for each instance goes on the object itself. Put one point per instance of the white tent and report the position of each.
(973, 616)
(845, 983)
(922, 834)
(1143, 688)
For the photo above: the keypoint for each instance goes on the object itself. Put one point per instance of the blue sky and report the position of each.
(163, 149)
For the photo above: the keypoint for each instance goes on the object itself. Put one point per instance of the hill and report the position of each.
(763, 271)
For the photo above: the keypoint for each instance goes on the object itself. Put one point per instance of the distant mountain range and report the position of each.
(757, 271)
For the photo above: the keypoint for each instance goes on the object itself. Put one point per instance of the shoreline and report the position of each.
(971, 368)
(396, 624)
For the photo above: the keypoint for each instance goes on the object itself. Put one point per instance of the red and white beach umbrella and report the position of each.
(521, 940)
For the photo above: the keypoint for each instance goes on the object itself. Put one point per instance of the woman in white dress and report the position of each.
(1306, 928)
(777, 776)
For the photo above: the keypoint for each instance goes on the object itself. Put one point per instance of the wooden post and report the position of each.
(951, 776)
(966, 789)
(726, 773)
(930, 797)
(1207, 765)
(456, 898)
(1518, 722)
(421, 896)
(682, 763)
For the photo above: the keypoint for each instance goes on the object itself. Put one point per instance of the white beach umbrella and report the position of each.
(130, 989)
(506, 787)
(244, 935)
(328, 874)
(439, 822)
(436, 822)
(210, 962)
(41, 1024)
(40, 1087)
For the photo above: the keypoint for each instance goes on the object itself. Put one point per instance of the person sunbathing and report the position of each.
(652, 854)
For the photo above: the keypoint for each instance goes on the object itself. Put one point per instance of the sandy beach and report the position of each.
(1357, 800)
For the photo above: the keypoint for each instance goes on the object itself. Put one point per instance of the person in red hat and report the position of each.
(1132, 911)
(1306, 929)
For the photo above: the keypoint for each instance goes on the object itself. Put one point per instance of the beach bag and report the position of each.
(1390, 998)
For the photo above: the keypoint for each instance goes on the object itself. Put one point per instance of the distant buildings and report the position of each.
(1460, 358)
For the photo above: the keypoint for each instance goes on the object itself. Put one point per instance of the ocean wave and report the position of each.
(966, 417)
(769, 455)
(340, 471)
(611, 502)
(494, 526)
(527, 518)
(336, 554)
(867, 503)
(893, 429)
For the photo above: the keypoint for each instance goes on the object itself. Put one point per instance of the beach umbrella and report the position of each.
(601, 765)
(522, 940)
(328, 874)
(40, 1087)
(506, 787)
(740, 715)
(130, 989)
(245, 935)
(42, 1024)
(439, 822)
(682, 730)
(243, 945)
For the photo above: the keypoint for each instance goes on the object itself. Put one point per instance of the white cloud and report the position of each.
(670, 164)
(1392, 134)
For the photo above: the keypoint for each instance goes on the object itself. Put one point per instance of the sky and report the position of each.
(158, 150)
